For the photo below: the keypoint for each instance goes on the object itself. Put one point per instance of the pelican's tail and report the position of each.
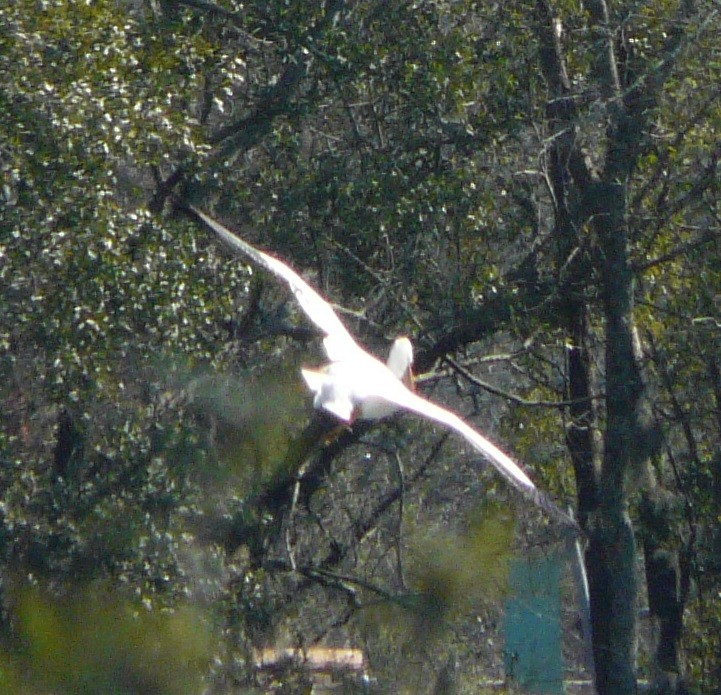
(327, 395)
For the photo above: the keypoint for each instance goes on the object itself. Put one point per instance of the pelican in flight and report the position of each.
(355, 385)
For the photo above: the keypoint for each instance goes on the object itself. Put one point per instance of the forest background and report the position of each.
(528, 189)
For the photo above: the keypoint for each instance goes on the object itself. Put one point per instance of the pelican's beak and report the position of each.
(408, 380)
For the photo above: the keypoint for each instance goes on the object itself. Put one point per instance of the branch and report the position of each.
(250, 128)
(649, 86)
(511, 397)
(605, 67)
(680, 416)
(629, 116)
(490, 317)
(707, 236)
(363, 528)
(562, 106)
(664, 155)
(212, 8)
(705, 180)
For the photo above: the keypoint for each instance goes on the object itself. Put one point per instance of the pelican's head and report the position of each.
(400, 360)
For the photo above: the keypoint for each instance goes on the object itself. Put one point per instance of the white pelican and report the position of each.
(357, 385)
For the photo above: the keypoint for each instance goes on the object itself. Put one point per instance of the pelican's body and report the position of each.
(357, 385)
(360, 386)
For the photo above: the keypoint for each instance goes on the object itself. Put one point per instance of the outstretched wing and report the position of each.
(504, 463)
(507, 467)
(339, 343)
(376, 382)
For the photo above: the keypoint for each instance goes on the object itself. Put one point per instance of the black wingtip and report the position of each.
(566, 521)
(181, 206)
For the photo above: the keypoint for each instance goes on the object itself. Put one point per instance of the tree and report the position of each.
(537, 181)
(593, 205)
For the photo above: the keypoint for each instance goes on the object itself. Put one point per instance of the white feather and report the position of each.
(357, 385)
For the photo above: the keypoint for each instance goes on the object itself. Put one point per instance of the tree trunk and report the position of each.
(592, 240)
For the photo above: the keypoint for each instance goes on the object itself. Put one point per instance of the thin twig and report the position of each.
(511, 397)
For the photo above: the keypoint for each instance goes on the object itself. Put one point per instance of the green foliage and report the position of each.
(82, 109)
(92, 644)
(400, 152)
(454, 573)
(257, 419)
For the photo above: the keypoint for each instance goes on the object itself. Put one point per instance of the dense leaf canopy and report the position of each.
(529, 190)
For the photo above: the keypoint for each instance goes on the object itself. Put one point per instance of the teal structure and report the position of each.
(532, 651)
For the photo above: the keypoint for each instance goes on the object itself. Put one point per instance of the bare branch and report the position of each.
(511, 397)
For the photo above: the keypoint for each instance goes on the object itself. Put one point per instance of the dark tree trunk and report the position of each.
(612, 550)
(591, 216)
